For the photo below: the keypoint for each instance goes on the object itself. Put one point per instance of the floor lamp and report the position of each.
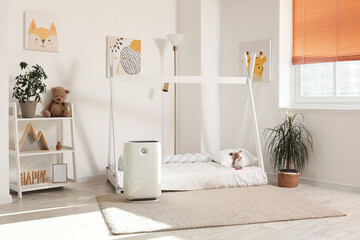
(175, 40)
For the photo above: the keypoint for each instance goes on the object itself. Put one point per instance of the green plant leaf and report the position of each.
(23, 65)
(28, 86)
(288, 143)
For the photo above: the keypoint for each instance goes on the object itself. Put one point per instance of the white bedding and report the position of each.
(205, 175)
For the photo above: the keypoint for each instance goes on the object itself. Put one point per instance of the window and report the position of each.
(326, 50)
(335, 82)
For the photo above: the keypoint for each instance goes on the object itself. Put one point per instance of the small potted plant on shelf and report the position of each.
(288, 146)
(28, 88)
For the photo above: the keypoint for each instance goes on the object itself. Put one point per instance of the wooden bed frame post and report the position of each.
(250, 75)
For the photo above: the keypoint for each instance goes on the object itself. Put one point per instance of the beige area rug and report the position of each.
(209, 208)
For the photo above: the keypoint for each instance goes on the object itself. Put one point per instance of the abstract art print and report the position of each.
(42, 31)
(123, 56)
(262, 69)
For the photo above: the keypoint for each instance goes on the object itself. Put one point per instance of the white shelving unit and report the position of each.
(16, 155)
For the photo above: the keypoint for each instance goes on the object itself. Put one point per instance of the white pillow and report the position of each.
(223, 157)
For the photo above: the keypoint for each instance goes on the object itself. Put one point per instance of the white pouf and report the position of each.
(142, 170)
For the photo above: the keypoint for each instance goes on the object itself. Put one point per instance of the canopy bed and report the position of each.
(193, 174)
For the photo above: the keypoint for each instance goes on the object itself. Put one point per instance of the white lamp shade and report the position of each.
(175, 39)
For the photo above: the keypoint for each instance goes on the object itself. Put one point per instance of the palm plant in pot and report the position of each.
(28, 87)
(288, 146)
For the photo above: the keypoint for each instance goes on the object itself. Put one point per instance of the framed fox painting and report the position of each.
(42, 31)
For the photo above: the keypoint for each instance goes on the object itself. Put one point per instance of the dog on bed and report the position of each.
(236, 159)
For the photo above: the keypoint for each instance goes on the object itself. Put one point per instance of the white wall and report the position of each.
(4, 137)
(285, 53)
(189, 63)
(210, 66)
(80, 67)
(336, 140)
(199, 54)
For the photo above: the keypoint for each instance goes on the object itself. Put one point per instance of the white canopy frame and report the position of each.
(113, 176)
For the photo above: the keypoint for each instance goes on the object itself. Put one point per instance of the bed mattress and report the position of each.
(206, 175)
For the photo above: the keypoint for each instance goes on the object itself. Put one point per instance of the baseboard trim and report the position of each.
(5, 199)
(321, 183)
(91, 179)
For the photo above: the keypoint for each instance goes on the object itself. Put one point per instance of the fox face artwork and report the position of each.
(40, 38)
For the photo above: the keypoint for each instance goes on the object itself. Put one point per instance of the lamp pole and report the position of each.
(175, 40)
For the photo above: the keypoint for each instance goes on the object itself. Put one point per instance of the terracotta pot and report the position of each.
(28, 109)
(288, 179)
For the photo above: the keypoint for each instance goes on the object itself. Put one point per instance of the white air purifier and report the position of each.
(142, 170)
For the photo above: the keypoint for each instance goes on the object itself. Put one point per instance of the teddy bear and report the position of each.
(56, 108)
(236, 159)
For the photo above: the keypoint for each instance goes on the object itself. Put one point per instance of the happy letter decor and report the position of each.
(28, 178)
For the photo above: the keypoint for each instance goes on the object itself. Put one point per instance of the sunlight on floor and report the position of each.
(138, 222)
(167, 238)
(42, 210)
(147, 237)
(61, 227)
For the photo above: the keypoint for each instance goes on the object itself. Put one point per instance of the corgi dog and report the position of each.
(236, 159)
(42, 39)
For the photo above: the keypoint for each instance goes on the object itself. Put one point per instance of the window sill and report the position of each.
(325, 106)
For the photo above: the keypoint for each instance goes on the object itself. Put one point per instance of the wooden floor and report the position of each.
(73, 213)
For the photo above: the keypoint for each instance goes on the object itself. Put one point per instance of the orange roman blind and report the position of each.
(326, 31)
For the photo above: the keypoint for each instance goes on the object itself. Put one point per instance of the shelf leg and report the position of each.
(18, 175)
(61, 139)
(17, 156)
(73, 142)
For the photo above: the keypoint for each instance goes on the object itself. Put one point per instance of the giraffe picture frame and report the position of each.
(262, 69)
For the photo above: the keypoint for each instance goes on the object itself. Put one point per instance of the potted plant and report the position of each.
(288, 146)
(28, 88)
